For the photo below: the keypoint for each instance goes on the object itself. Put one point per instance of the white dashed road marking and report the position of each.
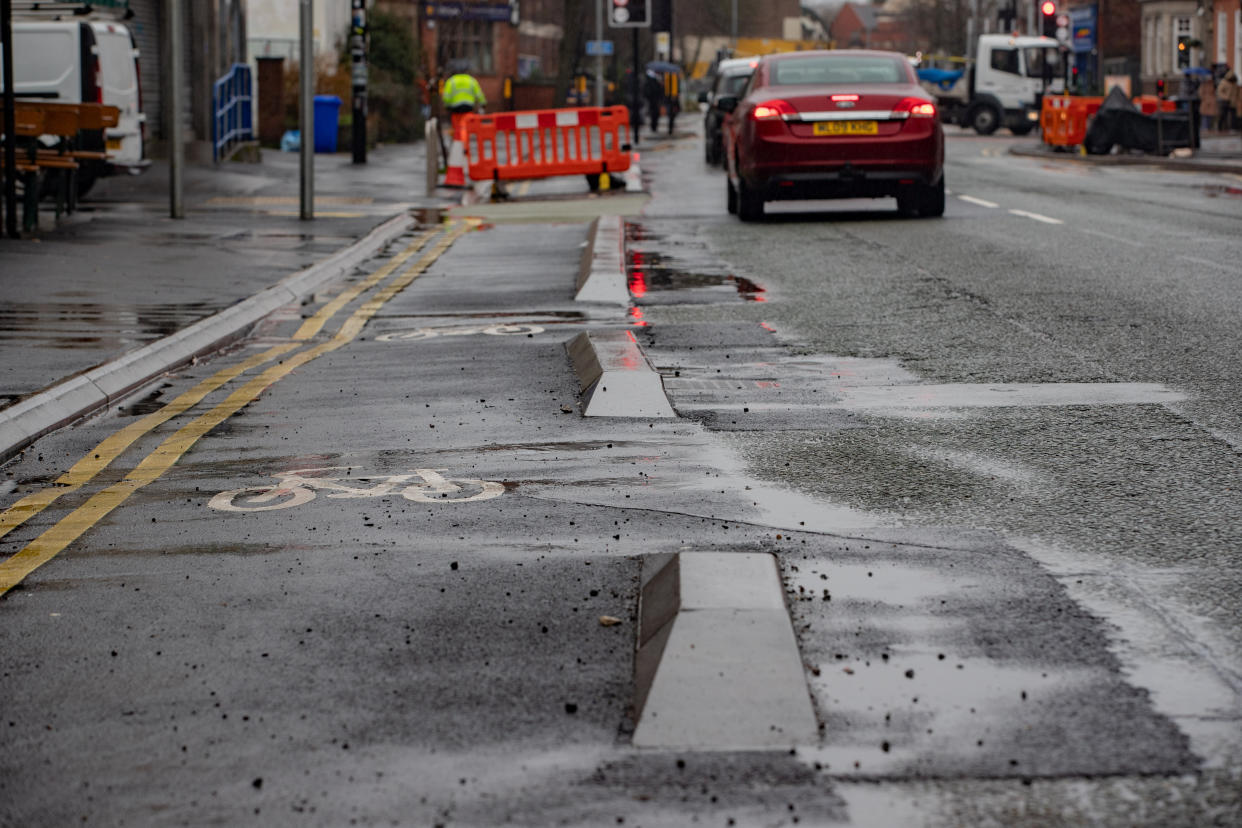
(1036, 216)
(978, 201)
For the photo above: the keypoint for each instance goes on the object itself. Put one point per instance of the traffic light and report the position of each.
(1160, 92)
(1183, 52)
(627, 14)
(1048, 13)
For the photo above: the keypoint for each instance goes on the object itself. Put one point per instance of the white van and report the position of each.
(75, 61)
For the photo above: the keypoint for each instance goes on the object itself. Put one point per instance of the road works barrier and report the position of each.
(1064, 118)
(542, 143)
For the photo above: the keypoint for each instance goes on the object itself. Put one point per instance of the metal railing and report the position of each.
(231, 112)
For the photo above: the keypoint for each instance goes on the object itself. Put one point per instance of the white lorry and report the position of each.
(1002, 86)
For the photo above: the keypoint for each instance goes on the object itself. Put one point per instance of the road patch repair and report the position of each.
(615, 378)
(718, 667)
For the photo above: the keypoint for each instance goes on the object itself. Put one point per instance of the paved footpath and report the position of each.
(101, 302)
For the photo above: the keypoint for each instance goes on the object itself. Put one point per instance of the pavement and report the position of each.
(98, 304)
(1218, 152)
(101, 302)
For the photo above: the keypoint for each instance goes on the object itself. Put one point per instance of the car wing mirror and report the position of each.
(726, 103)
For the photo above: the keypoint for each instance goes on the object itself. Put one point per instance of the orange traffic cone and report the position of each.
(455, 172)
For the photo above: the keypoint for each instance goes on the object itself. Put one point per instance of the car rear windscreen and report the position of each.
(802, 71)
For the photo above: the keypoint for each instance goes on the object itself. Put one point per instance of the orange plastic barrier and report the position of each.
(1063, 119)
(542, 143)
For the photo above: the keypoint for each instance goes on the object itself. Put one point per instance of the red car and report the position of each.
(833, 124)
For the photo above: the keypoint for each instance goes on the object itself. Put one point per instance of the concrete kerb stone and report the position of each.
(1192, 164)
(602, 279)
(615, 377)
(718, 666)
(23, 423)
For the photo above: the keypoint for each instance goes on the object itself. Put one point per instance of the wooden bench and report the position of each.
(57, 164)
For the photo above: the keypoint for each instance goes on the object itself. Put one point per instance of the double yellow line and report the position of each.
(55, 539)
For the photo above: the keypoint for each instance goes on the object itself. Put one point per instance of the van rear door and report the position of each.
(118, 78)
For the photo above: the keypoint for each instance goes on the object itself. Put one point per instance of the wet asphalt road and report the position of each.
(1010, 612)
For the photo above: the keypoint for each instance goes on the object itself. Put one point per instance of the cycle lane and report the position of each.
(361, 656)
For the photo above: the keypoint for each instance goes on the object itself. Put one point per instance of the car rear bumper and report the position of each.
(846, 182)
(791, 168)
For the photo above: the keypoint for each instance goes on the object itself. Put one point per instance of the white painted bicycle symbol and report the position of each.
(465, 330)
(300, 486)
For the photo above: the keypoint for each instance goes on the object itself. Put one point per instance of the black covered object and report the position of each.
(1119, 123)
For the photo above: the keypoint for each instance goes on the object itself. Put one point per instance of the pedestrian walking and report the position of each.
(1226, 100)
(462, 94)
(653, 91)
(1209, 105)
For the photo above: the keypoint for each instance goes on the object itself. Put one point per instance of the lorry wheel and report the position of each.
(1024, 129)
(984, 119)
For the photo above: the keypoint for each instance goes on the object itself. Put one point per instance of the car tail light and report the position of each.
(772, 110)
(917, 107)
(844, 98)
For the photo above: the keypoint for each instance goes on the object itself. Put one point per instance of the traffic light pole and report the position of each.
(358, 69)
(599, 55)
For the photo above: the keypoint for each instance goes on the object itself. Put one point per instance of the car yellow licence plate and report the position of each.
(113, 143)
(846, 128)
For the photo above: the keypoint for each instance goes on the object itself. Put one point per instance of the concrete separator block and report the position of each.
(615, 377)
(605, 280)
(27, 421)
(718, 666)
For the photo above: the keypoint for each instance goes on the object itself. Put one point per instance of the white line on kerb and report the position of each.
(978, 201)
(1036, 216)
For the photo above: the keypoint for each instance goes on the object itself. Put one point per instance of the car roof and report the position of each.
(736, 66)
(833, 53)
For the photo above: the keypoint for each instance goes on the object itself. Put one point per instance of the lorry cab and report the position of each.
(1009, 78)
(71, 61)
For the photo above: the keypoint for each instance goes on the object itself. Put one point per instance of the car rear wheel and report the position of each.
(749, 203)
(931, 200)
(731, 196)
(984, 119)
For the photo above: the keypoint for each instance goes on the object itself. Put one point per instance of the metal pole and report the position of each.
(636, 95)
(176, 99)
(10, 120)
(306, 117)
(358, 53)
(599, 54)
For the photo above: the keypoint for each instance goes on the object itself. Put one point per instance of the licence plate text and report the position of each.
(846, 128)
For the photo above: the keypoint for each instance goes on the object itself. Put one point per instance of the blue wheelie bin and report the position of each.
(327, 108)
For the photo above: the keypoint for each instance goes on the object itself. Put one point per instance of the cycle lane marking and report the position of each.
(301, 486)
(418, 334)
(97, 459)
(69, 528)
(314, 324)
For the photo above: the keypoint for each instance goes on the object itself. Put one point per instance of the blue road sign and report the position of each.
(599, 47)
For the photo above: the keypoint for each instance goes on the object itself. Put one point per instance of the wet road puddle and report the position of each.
(665, 269)
(92, 325)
